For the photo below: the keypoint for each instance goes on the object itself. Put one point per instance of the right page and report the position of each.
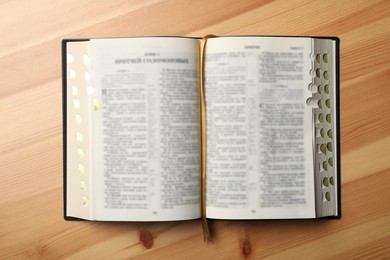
(259, 128)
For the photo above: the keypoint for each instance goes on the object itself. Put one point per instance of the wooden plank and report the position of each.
(31, 224)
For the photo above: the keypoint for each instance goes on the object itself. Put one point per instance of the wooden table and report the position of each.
(31, 223)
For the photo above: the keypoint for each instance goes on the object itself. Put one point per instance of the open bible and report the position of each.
(175, 128)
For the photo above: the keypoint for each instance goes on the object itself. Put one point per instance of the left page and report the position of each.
(145, 136)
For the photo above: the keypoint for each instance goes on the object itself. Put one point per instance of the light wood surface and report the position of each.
(31, 223)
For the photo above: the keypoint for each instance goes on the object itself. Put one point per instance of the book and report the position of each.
(178, 128)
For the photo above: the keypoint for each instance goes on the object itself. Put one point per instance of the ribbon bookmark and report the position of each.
(202, 135)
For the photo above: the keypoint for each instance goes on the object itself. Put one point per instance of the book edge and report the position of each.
(64, 124)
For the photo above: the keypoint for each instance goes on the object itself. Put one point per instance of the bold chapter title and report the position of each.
(149, 60)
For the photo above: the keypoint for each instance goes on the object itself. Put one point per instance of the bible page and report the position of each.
(259, 129)
(146, 165)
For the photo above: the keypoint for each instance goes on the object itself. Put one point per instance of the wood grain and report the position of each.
(31, 223)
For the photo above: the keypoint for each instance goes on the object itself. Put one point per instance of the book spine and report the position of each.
(203, 137)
